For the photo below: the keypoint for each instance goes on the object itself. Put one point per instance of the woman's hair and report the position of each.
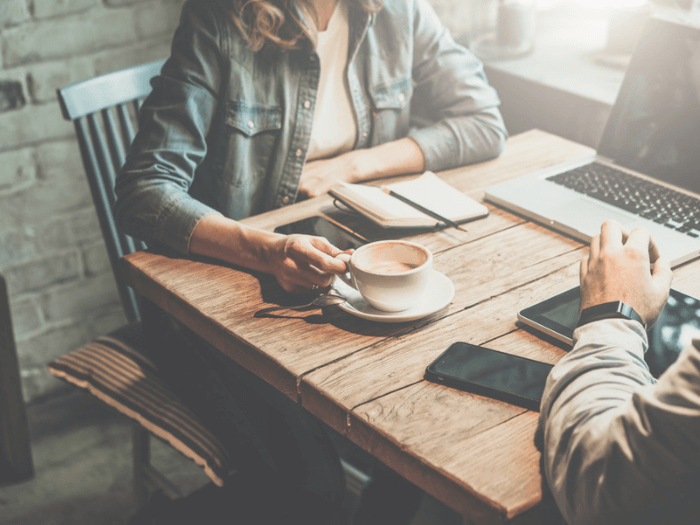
(275, 22)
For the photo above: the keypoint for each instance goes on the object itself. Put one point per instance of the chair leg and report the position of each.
(142, 460)
(148, 479)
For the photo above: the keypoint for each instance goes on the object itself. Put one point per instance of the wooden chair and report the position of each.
(95, 106)
(113, 368)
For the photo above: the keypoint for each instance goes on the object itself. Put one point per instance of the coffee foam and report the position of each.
(387, 253)
(390, 267)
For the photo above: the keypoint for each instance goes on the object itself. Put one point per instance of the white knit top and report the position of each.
(334, 128)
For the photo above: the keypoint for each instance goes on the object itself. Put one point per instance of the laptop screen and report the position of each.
(654, 127)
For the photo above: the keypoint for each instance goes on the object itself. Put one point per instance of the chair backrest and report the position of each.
(104, 112)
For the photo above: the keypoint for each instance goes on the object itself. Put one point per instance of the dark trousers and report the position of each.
(289, 470)
(287, 465)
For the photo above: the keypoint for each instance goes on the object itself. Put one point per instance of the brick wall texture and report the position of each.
(62, 292)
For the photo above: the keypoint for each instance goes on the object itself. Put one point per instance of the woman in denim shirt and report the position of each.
(263, 103)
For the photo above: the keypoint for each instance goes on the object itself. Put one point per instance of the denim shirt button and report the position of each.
(299, 153)
(286, 199)
(364, 135)
(251, 124)
(401, 97)
(307, 104)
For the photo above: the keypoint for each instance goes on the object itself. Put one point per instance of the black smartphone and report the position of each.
(317, 225)
(491, 373)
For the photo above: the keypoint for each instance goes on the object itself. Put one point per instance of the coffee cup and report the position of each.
(391, 275)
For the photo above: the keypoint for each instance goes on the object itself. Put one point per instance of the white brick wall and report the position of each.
(18, 169)
(13, 12)
(62, 291)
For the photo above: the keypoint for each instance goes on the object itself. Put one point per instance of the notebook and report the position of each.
(646, 171)
(428, 190)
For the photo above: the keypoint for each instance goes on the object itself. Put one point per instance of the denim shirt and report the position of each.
(226, 129)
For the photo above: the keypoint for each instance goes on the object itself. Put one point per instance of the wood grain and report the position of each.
(400, 361)
(473, 441)
(365, 379)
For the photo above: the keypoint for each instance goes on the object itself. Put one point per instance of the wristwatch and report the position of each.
(612, 310)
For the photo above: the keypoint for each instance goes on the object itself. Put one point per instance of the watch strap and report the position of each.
(611, 310)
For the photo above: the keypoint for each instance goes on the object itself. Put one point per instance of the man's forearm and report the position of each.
(607, 427)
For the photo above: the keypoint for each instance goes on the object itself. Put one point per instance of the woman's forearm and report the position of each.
(398, 157)
(227, 240)
(299, 262)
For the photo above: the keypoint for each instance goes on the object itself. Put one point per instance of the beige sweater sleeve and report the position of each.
(618, 446)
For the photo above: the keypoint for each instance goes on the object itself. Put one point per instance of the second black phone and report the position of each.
(491, 373)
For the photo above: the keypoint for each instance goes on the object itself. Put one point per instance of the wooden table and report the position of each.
(365, 379)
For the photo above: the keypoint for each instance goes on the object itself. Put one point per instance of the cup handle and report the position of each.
(347, 276)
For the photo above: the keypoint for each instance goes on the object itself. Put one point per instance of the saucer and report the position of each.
(439, 293)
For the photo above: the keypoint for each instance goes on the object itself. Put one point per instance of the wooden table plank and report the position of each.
(470, 434)
(402, 455)
(526, 343)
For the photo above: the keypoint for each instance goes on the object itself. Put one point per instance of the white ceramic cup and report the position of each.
(391, 275)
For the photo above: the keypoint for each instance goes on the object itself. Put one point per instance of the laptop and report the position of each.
(646, 170)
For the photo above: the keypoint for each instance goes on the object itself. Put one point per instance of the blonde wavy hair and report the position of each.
(275, 22)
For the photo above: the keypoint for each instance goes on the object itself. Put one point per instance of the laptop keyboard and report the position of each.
(649, 200)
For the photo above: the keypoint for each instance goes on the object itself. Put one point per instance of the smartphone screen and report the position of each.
(491, 373)
(317, 225)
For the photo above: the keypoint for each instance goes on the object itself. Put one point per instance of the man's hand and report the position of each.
(304, 261)
(618, 269)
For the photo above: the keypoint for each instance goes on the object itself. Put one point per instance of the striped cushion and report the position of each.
(113, 369)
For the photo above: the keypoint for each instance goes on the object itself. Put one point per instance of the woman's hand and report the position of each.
(298, 262)
(302, 262)
(387, 160)
(319, 176)
(618, 269)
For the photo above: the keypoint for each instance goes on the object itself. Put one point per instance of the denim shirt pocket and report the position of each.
(391, 110)
(251, 119)
(252, 131)
(245, 155)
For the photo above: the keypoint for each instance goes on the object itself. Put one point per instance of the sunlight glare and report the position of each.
(594, 4)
